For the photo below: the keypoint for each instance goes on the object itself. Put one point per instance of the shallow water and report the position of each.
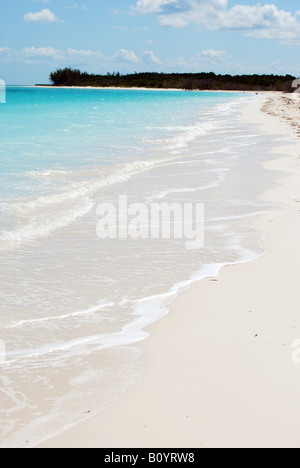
(73, 306)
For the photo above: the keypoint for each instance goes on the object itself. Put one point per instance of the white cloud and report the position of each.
(126, 56)
(263, 21)
(122, 59)
(152, 6)
(4, 50)
(83, 54)
(44, 16)
(41, 52)
(49, 53)
(150, 58)
(213, 54)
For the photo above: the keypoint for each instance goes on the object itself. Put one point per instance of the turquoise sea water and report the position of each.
(73, 308)
(63, 129)
(49, 134)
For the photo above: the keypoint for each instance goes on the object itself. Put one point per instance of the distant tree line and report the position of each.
(187, 81)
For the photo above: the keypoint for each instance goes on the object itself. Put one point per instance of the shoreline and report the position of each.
(219, 370)
(156, 89)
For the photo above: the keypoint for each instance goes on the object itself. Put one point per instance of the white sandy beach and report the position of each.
(219, 370)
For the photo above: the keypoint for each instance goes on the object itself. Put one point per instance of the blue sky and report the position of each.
(100, 36)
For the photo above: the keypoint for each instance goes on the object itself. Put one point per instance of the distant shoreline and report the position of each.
(183, 81)
(152, 89)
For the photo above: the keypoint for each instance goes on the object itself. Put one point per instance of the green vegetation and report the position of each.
(187, 81)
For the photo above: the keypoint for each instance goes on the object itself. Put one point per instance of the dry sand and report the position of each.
(219, 368)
